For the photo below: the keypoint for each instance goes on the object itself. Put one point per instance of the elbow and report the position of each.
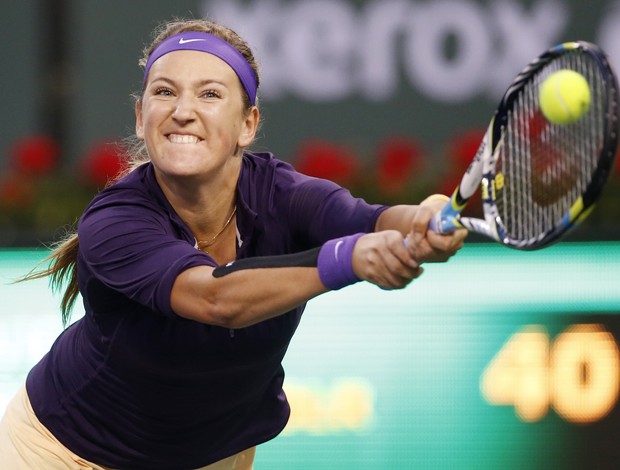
(222, 314)
(196, 297)
(223, 317)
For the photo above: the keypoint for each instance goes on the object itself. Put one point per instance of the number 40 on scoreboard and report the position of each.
(577, 373)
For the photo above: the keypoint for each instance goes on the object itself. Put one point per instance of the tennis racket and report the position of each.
(538, 180)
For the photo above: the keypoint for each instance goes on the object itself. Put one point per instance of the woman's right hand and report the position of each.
(382, 259)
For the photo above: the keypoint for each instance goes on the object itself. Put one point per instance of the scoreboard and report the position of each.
(498, 359)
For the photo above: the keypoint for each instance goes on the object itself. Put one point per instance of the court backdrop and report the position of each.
(497, 359)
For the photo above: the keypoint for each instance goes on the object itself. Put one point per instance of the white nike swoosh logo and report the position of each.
(185, 41)
(336, 248)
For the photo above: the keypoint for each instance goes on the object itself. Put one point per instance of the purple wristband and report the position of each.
(335, 263)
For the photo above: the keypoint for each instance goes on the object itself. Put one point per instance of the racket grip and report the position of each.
(445, 221)
(435, 223)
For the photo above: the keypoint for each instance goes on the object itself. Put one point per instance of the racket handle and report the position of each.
(444, 221)
(435, 223)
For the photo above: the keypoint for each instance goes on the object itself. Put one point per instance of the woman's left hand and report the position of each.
(427, 246)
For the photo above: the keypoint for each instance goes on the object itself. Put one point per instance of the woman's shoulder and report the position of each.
(133, 204)
(136, 187)
(134, 196)
(267, 168)
(265, 162)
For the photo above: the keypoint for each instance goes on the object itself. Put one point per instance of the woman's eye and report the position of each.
(163, 92)
(211, 94)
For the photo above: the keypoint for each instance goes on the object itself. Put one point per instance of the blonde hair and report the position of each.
(61, 265)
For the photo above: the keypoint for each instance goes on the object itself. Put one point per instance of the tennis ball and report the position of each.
(564, 97)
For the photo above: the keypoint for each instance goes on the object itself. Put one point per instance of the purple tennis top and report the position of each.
(133, 385)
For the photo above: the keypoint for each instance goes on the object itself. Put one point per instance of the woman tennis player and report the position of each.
(194, 269)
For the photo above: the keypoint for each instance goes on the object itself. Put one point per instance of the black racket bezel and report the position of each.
(608, 150)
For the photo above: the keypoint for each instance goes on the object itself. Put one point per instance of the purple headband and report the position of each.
(205, 42)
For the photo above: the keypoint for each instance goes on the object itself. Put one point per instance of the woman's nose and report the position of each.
(184, 109)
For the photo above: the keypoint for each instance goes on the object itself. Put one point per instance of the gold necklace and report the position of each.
(207, 243)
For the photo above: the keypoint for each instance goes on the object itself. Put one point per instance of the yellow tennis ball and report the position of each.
(564, 97)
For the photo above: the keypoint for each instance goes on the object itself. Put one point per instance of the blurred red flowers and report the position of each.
(327, 160)
(103, 163)
(30, 158)
(34, 155)
(41, 191)
(398, 159)
(16, 192)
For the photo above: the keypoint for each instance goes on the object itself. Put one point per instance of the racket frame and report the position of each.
(482, 170)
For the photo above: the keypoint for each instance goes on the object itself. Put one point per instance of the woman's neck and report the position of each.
(205, 206)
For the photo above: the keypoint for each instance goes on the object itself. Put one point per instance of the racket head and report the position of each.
(540, 179)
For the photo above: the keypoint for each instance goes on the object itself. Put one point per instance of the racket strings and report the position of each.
(544, 168)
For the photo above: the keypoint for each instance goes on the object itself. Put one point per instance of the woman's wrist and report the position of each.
(335, 262)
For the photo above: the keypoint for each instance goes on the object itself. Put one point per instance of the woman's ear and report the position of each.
(139, 126)
(249, 127)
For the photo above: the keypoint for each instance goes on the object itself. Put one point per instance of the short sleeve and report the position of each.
(323, 210)
(136, 251)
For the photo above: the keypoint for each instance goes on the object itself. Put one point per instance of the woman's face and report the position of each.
(192, 117)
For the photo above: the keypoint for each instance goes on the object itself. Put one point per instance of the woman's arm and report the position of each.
(244, 296)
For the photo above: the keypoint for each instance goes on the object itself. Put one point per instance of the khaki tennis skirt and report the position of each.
(25, 444)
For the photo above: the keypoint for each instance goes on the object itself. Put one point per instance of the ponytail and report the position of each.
(60, 266)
